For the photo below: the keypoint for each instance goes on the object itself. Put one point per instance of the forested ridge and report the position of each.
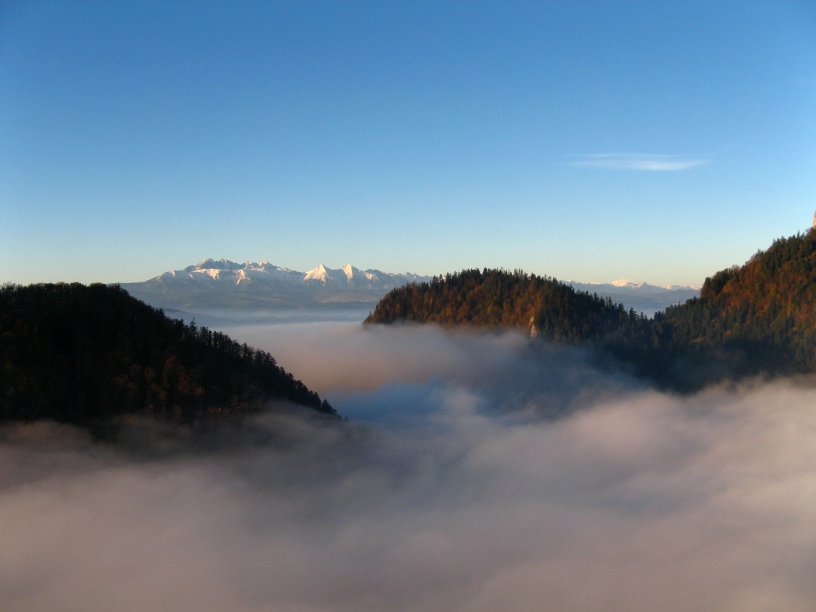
(772, 298)
(84, 354)
(493, 298)
(757, 318)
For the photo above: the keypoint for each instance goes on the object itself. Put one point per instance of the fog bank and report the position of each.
(452, 494)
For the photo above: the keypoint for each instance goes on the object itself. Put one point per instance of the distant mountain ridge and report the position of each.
(631, 285)
(259, 284)
(221, 283)
(643, 297)
(224, 270)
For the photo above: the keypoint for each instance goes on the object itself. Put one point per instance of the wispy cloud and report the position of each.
(637, 161)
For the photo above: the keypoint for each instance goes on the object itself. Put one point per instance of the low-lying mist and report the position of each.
(476, 472)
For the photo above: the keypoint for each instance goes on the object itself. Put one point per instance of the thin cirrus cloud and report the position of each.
(637, 161)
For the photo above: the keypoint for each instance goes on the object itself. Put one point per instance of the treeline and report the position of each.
(84, 354)
(756, 318)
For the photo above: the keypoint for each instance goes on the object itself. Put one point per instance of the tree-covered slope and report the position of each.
(760, 317)
(757, 318)
(85, 354)
(543, 305)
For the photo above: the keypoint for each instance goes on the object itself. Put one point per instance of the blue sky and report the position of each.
(657, 141)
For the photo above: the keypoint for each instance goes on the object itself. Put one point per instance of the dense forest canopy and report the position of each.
(758, 318)
(83, 354)
(770, 299)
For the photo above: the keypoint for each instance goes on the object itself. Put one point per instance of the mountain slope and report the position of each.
(85, 354)
(758, 318)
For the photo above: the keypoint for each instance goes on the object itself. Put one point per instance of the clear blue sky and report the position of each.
(658, 141)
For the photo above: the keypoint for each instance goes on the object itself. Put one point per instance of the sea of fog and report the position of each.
(475, 471)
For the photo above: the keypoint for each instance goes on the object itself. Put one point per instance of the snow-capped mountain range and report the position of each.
(643, 297)
(222, 271)
(630, 285)
(224, 283)
(262, 285)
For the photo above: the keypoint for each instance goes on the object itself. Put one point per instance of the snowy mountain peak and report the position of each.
(629, 284)
(321, 273)
(353, 274)
(211, 264)
(215, 282)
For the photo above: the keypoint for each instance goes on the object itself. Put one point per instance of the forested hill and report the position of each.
(757, 318)
(84, 354)
(541, 304)
(763, 313)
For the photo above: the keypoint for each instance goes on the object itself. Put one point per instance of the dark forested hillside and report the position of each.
(84, 354)
(493, 298)
(758, 318)
(772, 299)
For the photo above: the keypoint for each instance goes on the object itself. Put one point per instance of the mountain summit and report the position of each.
(259, 284)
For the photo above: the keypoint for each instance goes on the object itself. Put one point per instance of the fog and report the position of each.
(475, 472)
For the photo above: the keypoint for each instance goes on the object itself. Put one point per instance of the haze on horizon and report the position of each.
(659, 142)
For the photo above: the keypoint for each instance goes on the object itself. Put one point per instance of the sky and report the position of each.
(593, 141)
